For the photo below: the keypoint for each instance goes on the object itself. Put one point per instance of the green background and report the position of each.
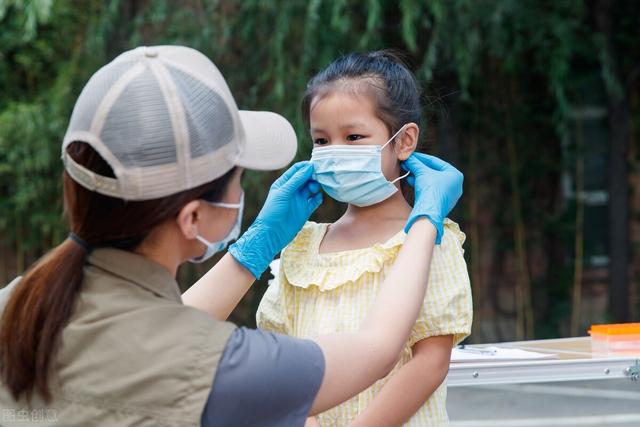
(537, 102)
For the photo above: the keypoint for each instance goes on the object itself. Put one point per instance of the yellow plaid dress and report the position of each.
(316, 293)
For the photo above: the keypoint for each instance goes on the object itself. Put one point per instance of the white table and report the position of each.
(576, 361)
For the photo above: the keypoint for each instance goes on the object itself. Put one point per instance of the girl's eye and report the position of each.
(319, 141)
(354, 137)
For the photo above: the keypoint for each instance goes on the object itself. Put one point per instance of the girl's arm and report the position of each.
(411, 386)
(353, 361)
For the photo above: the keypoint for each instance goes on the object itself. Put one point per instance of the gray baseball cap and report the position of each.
(165, 121)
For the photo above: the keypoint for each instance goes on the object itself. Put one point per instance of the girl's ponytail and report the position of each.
(37, 310)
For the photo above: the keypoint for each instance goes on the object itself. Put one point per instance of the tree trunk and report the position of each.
(118, 40)
(634, 179)
(576, 299)
(524, 307)
(474, 237)
(619, 120)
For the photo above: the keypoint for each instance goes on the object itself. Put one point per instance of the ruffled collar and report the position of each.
(304, 266)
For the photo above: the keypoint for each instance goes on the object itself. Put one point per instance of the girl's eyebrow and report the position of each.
(342, 127)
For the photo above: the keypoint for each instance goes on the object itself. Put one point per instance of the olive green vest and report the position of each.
(131, 355)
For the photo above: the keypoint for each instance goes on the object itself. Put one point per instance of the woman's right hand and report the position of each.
(291, 200)
(438, 186)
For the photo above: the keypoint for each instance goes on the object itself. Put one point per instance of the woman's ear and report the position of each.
(407, 141)
(188, 219)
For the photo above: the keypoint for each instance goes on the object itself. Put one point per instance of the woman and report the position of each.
(96, 332)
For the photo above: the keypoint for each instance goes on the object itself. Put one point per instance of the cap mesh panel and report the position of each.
(140, 112)
(209, 121)
(89, 100)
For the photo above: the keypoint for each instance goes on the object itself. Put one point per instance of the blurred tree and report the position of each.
(501, 79)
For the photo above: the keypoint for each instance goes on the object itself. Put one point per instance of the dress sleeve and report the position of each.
(264, 379)
(447, 307)
(273, 314)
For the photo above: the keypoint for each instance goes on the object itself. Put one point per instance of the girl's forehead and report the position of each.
(343, 106)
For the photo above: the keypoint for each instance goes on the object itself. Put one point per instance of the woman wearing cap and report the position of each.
(97, 333)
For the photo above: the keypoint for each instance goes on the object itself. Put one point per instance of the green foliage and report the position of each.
(514, 67)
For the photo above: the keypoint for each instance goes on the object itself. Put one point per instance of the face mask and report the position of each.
(213, 247)
(353, 174)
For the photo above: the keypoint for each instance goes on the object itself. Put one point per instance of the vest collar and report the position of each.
(138, 270)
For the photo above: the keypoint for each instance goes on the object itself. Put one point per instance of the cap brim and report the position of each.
(270, 141)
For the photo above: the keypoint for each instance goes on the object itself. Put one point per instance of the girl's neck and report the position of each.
(394, 208)
(363, 227)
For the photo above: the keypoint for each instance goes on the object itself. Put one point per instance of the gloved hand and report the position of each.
(291, 200)
(438, 186)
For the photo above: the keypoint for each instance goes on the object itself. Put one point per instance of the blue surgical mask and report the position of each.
(213, 247)
(353, 173)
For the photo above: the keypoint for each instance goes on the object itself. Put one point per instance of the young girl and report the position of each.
(363, 112)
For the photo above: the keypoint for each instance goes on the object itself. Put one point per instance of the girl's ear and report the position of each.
(188, 219)
(407, 141)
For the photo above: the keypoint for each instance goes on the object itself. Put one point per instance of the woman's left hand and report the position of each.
(438, 186)
(291, 201)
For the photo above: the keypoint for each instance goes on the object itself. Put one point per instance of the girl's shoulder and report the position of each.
(308, 238)
(453, 233)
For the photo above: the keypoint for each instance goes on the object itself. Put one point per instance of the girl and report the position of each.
(362, 112)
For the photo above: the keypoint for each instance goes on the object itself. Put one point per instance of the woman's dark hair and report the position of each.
(42, 302)
(382, 74)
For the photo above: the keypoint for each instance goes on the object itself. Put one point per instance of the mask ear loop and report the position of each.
(229, 205)
(387, 143)
(401, 177)
(392, 138)
(203, 240)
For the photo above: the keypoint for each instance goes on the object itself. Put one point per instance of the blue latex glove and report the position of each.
(438, 186)
(291, 200)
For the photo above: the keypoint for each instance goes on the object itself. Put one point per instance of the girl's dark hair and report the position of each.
(42, 302)
(382, 74)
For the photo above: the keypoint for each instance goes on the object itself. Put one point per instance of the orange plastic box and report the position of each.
(619, 338)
